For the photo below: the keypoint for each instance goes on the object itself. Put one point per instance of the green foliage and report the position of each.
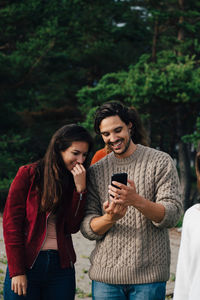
(171, 82)
(13, 153)
(171, 79)
(177, 25)
(82, 294)
(49, 50)
(46, 59)
(180, 222)
(194, 137)
(55, 52)
(110, 86)
(89, 120)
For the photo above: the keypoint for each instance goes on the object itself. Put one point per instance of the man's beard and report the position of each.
(125, 149)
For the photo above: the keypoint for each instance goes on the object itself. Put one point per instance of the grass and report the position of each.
(180, 222)
(3, 260)
(81, 294)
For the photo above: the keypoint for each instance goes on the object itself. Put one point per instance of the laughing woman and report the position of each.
(45, 205)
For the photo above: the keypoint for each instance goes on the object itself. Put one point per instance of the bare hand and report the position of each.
(127, 196)
(19, 285)
(124, 194)
(79, 174)
(114, 211)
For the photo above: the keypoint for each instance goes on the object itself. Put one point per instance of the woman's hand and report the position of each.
(19, 284)
(79, 174)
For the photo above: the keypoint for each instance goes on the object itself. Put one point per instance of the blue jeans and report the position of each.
(148, 291)
(46, 280)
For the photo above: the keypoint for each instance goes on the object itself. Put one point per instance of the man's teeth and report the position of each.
(116, 145)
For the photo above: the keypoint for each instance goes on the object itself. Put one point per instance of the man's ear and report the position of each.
(130, 125)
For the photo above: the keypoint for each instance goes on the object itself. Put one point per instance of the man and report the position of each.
(138, 137)
(130, 223)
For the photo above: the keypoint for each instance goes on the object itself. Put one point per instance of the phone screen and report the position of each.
(119, 177)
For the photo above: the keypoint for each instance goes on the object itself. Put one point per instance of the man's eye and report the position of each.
(118, 130)
(105, 134)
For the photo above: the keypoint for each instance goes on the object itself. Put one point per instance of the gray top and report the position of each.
(135, 250)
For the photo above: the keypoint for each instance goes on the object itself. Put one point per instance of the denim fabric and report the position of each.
(46, 280)
(149, 291)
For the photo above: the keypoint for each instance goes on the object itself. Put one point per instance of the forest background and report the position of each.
(60, 59)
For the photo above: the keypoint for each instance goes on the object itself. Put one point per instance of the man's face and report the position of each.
(116, 134)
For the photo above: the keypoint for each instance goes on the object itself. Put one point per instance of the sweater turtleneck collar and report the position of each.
(129, 159)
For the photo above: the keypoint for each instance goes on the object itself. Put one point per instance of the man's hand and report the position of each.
(124, 194)
(19, 284)
(114, 211)
(127, 195)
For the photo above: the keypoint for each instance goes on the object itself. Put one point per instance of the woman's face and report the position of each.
(75, 154)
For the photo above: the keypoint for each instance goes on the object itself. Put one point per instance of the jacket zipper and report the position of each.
(78, 205)
(42, 242)
(70, 259)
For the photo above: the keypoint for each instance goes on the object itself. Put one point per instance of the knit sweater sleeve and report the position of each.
(93, 208)
(167, 190)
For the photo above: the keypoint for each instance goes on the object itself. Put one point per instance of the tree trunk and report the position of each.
(184, 163)
(181, 20)
(155, 38)
(183, 152)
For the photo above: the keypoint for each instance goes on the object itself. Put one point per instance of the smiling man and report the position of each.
(130, 223)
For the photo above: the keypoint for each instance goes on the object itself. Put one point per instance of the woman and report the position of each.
(187, 285)
(44, 206)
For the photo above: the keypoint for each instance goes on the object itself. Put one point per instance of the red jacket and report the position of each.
(25, 227)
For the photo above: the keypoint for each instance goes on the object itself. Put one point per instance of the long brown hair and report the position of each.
(51, 173)
(127, 115)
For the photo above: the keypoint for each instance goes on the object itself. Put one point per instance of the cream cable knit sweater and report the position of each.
(135, 250)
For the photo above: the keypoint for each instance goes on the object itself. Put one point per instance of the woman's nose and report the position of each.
(81, 159)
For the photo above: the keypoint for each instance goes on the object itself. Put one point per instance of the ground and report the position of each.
(83, 249)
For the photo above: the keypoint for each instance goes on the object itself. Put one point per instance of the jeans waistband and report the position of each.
(49, 251)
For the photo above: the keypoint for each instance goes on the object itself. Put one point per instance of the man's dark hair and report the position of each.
(127, 115)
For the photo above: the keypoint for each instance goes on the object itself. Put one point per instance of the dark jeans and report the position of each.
(146, 291)
(46, 280)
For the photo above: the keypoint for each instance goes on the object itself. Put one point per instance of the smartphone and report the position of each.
(119, 177)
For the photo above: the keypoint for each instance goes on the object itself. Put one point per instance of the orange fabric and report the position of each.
(99, 155)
